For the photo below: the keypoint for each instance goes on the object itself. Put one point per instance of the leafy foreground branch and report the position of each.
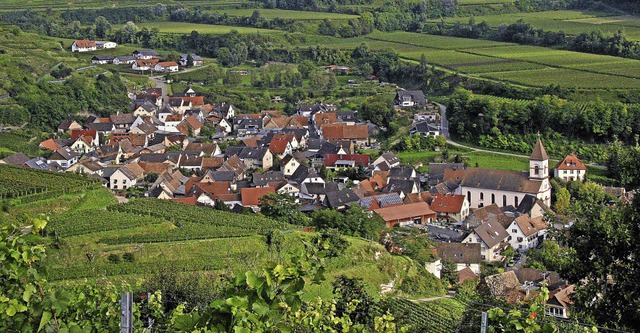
(265, 301)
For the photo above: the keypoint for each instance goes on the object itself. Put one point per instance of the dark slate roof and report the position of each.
(263, 179)
(37, 163)
(222, 176)
(399, 185)
(103, 57)
(444, 234)
(300, 174)
(436, 170)
(382, 200)
(460, 253)
(504, 180)
(391, 158)
(423, 127)
(101, 127)
(346, 115)
(125, 58)
(153, 158)
(491, 233)
(417, 96)
(337, 199)
(230, 151)
(253, 153)
(194, 56)
(401, 172)
(147, 52)
(16, 159)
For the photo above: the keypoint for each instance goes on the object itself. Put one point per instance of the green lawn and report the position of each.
(286, 14)
(187, 28)
(484, 160)
(570, 21)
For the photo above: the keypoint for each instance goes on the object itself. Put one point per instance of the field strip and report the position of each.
(546, 64)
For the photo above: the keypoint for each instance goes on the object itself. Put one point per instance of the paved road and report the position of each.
(160, 82)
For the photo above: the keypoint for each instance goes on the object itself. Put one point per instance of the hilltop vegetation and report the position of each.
(38, 79)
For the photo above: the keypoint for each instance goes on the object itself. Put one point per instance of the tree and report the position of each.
(449, 272)
(102, 27)
(606, 244)
(563, 200)
(305, 67)
(282, 207)
(332, 242)
(129, 31)
(173, 56)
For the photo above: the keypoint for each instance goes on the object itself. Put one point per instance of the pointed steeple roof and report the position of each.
(539, 153)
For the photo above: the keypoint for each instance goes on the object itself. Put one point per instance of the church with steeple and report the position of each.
(484, 187)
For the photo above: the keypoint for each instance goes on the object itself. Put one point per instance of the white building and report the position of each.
(526, 233)
(570, 169)
(504, 187)
(83, 45)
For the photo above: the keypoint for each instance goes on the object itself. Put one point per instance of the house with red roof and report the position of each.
(415, 213)
(251, 196)
(166, 66)
(570, 169)
(450, 207)
(356, 133)
(84, 141)
(49, 144)
(281, 144)
(338, 161)
(83, 45)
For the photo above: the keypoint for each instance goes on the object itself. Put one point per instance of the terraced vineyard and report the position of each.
(18, 182)
(444, 315)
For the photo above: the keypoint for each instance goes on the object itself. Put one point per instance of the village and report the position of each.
(183, 149)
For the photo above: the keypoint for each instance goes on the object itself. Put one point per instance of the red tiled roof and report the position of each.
(215, 188)
(168, 64)
(251, 196)
(154, 167)
(212, 162)
(251, 142)
(78, 133)
(325, 118)
(49, 144)
(193, 122)
(279, 143)
(447, 203)
(395, 213)
(147, 62)
(571, 162)
(330, 159)
(85, 43)
(341, 131)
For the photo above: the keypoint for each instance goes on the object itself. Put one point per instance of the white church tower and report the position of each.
(539, 163)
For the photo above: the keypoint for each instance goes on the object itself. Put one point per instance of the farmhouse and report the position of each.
(464, 255)
(450, 207)
(570, 169)
(145, 64)
(166, 66)
(196, 60)
(492, 238)
(425, 129)
(83, 45)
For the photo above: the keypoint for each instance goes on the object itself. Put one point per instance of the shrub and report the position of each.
(114, 258)
(129, 257)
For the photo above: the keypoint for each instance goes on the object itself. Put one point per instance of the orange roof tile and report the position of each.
(447, 203)
(571, 162)
(341, 131)
(49, 144)
(251, 196)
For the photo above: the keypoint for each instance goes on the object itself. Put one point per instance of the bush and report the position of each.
(114, 258)
(129, 257)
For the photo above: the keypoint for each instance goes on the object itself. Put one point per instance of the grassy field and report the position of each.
(483, 159)
(187, 28)
(287, 14)
(571, 22)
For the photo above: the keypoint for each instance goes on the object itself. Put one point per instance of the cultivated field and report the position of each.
(187, 28)
(571, 22)
(297, 15)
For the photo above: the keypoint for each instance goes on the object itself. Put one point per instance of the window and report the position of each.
(537, 170)
(516, 201)
(469, 196)
(481, 195)
(493, 198)
(572, 172)
(519, 239)
(514, 230)
(115, 187)
(417, 220)
(504, 200)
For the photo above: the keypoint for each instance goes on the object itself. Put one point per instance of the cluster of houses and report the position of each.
(145, 60)
(473, 214)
